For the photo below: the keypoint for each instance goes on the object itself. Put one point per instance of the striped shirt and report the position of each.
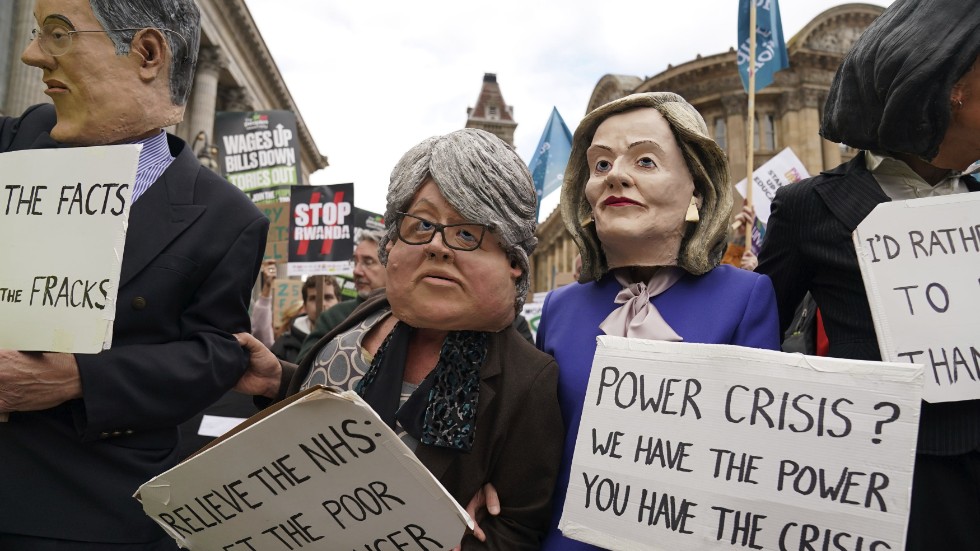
(154, 159)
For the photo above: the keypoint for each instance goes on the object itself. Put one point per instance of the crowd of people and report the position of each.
(433, 341)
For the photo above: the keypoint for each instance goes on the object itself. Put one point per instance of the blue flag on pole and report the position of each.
(547, 166)
(770, 48)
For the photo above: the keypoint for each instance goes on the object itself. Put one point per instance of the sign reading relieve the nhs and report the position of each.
(920, 260)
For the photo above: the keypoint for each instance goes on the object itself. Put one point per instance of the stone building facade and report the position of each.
(787, 114)
(235, 72)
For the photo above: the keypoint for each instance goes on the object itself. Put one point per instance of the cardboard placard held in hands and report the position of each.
(320, 470)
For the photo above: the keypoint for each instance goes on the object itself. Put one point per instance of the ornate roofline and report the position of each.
(256, 54)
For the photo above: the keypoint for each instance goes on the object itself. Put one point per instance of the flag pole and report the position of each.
(749, 183)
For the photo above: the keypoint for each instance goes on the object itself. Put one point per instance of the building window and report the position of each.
(721, 133)
(765, 131)
(492, 113)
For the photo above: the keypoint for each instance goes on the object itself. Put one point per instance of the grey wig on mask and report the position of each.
(170, 17)
(483, 179)
(704, 243)
(892, 92)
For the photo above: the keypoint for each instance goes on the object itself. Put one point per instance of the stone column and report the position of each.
(235, 98)
(204, 97)
(24, 88)
(811, 150)
(736, 110)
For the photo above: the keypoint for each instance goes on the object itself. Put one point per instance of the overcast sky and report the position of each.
(372, 79)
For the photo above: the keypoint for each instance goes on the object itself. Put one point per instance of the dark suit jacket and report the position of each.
(192, 253)
(808, 247)
(519, 435)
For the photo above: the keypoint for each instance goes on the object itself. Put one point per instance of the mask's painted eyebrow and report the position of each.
(58, 18)
(652, 143)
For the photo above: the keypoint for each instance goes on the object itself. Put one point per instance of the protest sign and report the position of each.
(696, 446)
(259, 152)
(784, 168)
(321, 472)
(285, 293)
(532, 311)
(278, 214)
(63, 216)
(920, 260)
(321, 230)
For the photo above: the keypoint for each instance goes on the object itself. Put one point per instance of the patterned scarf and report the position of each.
(442, 410)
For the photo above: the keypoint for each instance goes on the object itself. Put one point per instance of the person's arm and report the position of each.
(261, 318)
(780, 257)
(262, 309)
(759, 327)
(146, 386)
(525, 482)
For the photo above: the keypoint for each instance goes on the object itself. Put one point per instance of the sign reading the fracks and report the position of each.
(920, 260)
(259, 152)
(63, 216)
(696, 446)
(321, 230)
(321, 472)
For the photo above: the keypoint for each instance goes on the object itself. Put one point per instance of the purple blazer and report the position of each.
(724, 306)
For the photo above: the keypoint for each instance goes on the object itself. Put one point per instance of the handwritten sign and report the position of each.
(784, 168)
(693, 446)
(63, 216)
(319, 472)
(285, 293)
(920, 260)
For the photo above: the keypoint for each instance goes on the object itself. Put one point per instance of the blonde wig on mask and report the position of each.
(705, 241)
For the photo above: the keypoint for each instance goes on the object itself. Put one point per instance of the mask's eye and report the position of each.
(603, 166)
(646, 162)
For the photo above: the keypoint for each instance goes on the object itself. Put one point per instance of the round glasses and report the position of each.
(419, 231)
(56, 40)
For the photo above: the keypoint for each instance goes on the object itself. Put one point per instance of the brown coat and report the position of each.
(519, 435)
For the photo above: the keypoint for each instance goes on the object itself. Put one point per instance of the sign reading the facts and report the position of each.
(63, 216)
(321, 230)
(321, 471)
(258, 152)
(696, 446)
(920, 260)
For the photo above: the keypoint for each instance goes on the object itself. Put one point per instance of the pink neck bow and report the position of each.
(638, 318)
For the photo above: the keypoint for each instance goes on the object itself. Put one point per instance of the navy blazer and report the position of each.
(808, 247)
(192, 253)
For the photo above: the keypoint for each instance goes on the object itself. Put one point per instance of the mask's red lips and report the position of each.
(619, 202)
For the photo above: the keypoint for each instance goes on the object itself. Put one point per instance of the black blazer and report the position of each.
(519, 434)
(808, 247)
(192, 253)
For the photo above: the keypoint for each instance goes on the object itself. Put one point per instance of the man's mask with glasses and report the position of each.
(55, 39)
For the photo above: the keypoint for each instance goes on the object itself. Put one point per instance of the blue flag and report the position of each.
(770, 48)
(547, 166)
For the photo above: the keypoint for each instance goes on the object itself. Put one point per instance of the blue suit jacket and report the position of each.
(724, 306)
(192, 253)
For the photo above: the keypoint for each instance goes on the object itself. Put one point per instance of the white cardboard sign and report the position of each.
(920, 260)
(63, 216)
(784, 168)
(320, 472)
(695, 447)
